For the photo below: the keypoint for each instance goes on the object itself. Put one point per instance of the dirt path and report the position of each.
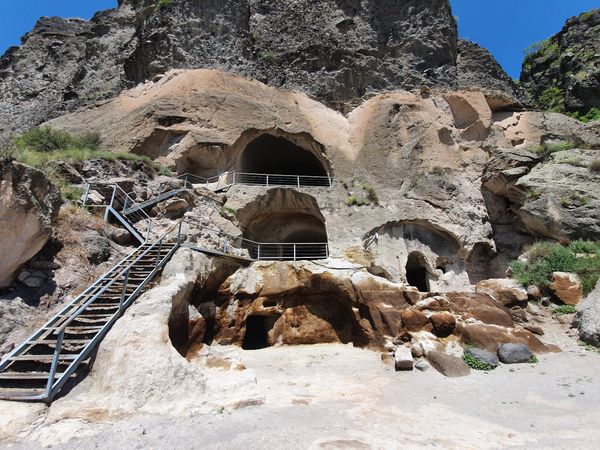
(335, 396)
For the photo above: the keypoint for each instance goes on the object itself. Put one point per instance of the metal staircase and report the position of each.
(63, 348)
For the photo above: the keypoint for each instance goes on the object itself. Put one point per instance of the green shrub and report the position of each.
(533, 360)
(546, 258)
(371, 194)
(590, 115)
(270, 57)
(44, 139)
(553, 99)
(564, 309)
(353, 200)
(476, 364)
(162, 4)
(553, 147)
(594, 166)
(543, 47)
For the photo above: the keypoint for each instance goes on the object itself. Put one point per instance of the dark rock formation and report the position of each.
(562, 73)
(338, 51)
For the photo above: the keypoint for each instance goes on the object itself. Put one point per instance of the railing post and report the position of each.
(267, 180)
(294, 252)
(125, 203)
(326, 251)
(158, 254)
(258, 252)
(55, 358)
(179, 232)
(112, 199)
(298, 178)
(185, 180)
(86, 193)
(124, 290)
(233, 179)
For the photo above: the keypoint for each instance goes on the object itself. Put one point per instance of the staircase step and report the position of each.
(43, 358)
(27, 375)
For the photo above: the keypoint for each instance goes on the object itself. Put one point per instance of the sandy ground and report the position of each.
(336, 396)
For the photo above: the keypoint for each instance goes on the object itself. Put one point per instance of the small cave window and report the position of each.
(257, 332)
(269, 154)
(416, 272)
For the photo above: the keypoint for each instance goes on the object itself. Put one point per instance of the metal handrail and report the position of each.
(262, 179)
(258, 251)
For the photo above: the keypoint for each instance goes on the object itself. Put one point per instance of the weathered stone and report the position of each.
(29, 205)
(417, 350)
(514, 353)
(535, 329)
(567, 287)
(403, 359)
(97, 246)
(490, 337)
(484, 356)
(447, 365)
(505, 290)
(443, 324)
(587, 318)
(421, 366)
(414, 320)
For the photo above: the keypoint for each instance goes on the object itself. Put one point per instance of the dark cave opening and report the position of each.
(257, 332)
(416, 272)
(269, 154)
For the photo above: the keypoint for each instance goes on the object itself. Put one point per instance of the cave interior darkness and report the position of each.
(416, 272)
(276, 155)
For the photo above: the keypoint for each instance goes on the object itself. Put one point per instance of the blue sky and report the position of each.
(505, 27)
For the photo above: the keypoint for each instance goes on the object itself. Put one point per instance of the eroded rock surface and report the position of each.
(29, 205)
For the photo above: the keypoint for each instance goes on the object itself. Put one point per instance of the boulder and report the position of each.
(29, 205)
(490, 337)
(484, 356)
(443, 324)
(413, 319)
(567, 288)
(534, 329)
(587, 318)
(514, 353)
(97, 246)
(403, 359)
(447, 365)
(505, 290)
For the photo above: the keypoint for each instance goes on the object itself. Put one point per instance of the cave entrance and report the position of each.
(416, 271)
(257, 332)
(285, 163)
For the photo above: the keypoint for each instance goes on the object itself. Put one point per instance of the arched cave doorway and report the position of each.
(416, 271)
(257, 332)
(283, 161)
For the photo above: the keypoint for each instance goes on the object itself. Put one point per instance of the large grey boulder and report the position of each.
(514, 353)
(448, 365)
(484, 356)
(587, 318)
(29, 205)
(97, 246)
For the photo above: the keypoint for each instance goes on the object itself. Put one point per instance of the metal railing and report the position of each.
(129, 212)
(125, 300)
(259, 251)
(227, 179)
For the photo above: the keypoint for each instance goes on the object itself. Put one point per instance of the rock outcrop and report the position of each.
(336, 51)
(29, 204)
(587, 318)
(562, 73)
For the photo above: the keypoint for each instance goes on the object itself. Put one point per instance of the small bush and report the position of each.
(553, 99)
(270, 57)
(476, 364)
(162, 4)
(546, 258)
(553, 147)
(590, 115)
(44, 139)
(371, 194)
(353, 200)
(564, 309)
(594, 166)
(533, 360)
(436, 170)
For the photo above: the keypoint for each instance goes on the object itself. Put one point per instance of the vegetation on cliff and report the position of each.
(544, 258)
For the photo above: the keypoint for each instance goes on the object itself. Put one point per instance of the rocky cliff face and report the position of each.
(338, 51)
(562, 73)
